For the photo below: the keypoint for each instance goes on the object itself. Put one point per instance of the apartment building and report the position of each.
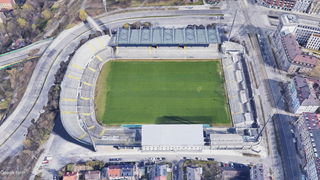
(314, 42)
(303, 29)
(293, 59)
(309, 137)
(303, 94)
(278, 4)
(315, 7)
(302, 5)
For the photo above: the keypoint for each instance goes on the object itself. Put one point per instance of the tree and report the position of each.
(126, 26)
(83, 15)
(22, 22)
(27, 7)
(46, 14)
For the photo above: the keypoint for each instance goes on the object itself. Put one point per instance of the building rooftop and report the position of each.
(308, 90)
(294, 52)
(70, 176)
(166, 36)
(312, 122)
(176, 135)
(92, 175)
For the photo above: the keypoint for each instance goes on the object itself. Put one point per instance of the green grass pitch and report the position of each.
(162, 92)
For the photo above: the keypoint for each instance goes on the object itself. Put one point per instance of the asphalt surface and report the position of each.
(22, 54)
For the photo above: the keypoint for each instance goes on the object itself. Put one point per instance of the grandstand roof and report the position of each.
(167, 36)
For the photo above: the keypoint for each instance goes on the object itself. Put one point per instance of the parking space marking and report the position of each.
(84, 98)
(68, 99)
(103, 131)
(68, 112)
(92, 48)
(83, 136)
(91, 69)
(91, 127)
(99, 58)
(77, 66)
(72, 77)
(86, 83)
(86, 114)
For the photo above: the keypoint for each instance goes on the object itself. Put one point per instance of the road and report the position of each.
(22, 54)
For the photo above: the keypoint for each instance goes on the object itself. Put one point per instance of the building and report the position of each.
(303, 94)
(302, 5)
(92, 175)
(308, 125)
(161, 172)
(127, 171)
(302, 29)
(168, 37)
(172, 137)
(315, 7)
(293, 59)
(6, 5)
(278, 4)
(71, 176)
(258, 172)
(314, 41)
(194, 173)
(114, 172)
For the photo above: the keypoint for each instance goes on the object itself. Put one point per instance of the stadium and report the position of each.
(115, 85)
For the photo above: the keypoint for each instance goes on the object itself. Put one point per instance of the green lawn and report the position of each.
(161, 92)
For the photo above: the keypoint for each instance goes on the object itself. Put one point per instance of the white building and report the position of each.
(302, 5)
(301, 28)
(315, 7)
(309, 138)
(314, 41)
(172, 137)
(194, 173)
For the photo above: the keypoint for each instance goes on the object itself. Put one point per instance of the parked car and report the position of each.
(115, 159)
(210, 159)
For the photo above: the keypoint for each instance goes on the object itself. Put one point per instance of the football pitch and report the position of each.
(162, 92)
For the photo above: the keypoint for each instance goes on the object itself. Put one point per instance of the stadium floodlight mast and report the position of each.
(234, 18)
(105, 4)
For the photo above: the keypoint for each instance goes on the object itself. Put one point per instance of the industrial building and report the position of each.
(303, 95)
(293, 59)
(302, 29)
(160, 36)
(172, 137)
(309, 137)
